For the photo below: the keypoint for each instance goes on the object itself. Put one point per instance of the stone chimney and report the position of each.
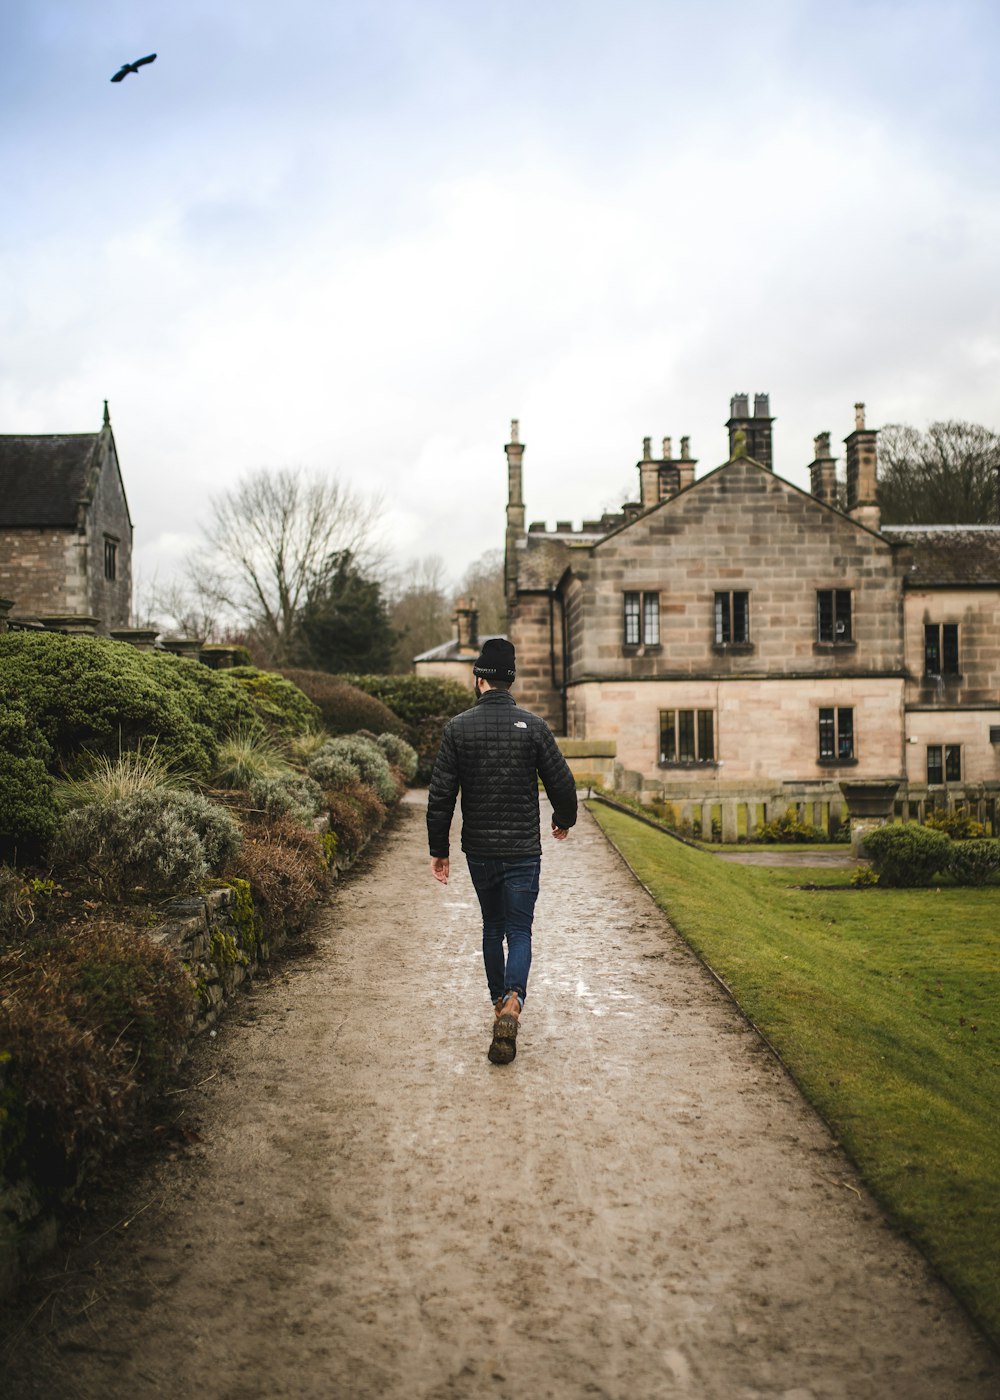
(515, 510)
(660, 479)
(823, 471)
(755, 426)
(466, 622)
(686, 465)
(862, 472)
(649, 476)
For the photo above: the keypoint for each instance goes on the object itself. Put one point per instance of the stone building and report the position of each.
(737, 643)
(453, 660)
(65, 530)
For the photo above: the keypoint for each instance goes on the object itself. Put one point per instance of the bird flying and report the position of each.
(132, 67)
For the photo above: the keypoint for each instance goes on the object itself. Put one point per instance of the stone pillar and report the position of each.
(184, 646)
(730, 822)
(870, 804)
(5, 606)
(862, 472)
(142, 638)
(75, 624)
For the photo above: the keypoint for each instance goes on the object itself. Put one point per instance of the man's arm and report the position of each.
(558, 781)
(441, 797)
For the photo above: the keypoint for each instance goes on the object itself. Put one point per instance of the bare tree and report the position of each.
(419, 610)
(483, 580)
(949, 475)
(270, 540)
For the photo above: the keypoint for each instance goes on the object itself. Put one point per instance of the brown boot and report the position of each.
(504, 1044)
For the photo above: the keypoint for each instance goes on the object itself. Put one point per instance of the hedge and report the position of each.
(91, 693)
(416, 698)
(345, 708)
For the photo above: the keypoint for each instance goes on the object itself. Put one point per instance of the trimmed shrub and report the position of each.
(371, 808)
(289, 794)
(427, 735)
(285, 866)
(347, 823)
(787, 828)
(29, 813)
(333, 770)
(157, 842)
(345, 708)
(279, 704)
(90, 693)
(973, 862)
(370, 762)
(90, 1019)
(399, 753)
(960, 826)
(906, 855)
(416, 698)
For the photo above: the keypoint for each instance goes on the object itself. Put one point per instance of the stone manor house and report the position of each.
(738, 643)
(65, 532)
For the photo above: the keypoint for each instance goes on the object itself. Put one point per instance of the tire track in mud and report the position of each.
(640, 1206)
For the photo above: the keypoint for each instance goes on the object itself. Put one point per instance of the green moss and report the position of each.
(225, 951)
(245, 918)
(330, 846)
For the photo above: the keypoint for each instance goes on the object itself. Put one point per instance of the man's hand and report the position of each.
(560, 832)
(439, 868)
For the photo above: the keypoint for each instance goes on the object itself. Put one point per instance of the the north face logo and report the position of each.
(520, 724)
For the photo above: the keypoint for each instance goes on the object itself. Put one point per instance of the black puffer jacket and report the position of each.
(496, 753)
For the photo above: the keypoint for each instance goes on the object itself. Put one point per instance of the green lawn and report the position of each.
(885, 1004)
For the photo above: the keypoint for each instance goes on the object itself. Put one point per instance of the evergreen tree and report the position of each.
(344, 623)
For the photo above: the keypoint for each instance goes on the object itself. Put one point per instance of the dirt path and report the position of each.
(640, 1206)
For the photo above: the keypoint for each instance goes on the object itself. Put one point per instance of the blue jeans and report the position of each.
(507, 890)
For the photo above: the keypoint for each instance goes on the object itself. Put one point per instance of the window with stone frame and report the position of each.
(834, 615)
(941, 649)
(110, 558)
(836, 734)
(732, 618)
(687, 736)
(641, 619)
(944, 763)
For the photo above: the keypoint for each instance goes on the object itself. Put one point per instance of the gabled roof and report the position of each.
(44, 478)
(949, 554)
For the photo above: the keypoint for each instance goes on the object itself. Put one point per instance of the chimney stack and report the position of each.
(823, 471)
(466, 622)
(756, 428)
(515, 509)
(659, 480)
(862, 472)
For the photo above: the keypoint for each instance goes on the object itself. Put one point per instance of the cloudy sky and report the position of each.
(362, 237)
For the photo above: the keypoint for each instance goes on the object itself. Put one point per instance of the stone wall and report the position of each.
(741, 528)
(109, 600)
(43, 571)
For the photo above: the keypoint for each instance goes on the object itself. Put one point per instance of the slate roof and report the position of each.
(43, 478)
(949, 554)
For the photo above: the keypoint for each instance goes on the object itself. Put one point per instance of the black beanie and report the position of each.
(496, 660)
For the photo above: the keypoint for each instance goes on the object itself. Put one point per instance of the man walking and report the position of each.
(495, 753)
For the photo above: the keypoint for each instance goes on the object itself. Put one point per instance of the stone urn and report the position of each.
(869, 805)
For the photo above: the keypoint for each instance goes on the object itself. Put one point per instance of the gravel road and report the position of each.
(642, 1205)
